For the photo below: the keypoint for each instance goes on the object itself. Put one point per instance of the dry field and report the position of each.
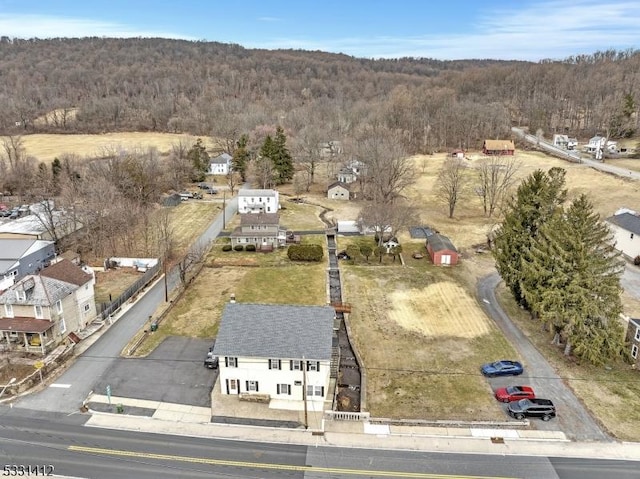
(46, 147)
(113, 283)
(189, 219)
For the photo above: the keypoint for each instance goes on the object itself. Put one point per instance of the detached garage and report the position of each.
(441, 250)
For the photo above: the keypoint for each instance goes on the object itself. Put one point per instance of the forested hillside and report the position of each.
(206, 88)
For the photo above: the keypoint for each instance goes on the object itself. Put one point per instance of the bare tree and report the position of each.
(262, 169)
(452, 183)
(14, 150)
(233, 180)
(388, 218)
(496, 175)
(194, 256)
(387, 170)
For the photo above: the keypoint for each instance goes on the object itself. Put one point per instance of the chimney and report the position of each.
(233, 298)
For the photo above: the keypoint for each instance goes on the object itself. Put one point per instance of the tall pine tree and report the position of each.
(241, 157)
(282, 161)
(537, 199)
(578, 282)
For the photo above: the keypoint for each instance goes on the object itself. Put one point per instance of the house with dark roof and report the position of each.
(633, 339)
(282, 352)
(23, 256)
(220, 165)
(261, 230)
(441, 250)
(39, 312)
(625, 229)
(339, 191)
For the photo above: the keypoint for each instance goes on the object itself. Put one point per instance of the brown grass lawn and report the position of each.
(46, 147)
(422, 338)
(114, 282)
(611, 393)
(189, 220)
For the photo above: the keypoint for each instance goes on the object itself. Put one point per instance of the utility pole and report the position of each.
(166, 286)
(224, 207)
(304, 392)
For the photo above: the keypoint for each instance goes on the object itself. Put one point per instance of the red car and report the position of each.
(514, 393)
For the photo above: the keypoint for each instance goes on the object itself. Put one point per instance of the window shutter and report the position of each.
(289, 389)
(322, 391)
(226, 361)
(269, 361)
(307, 365)
(256, 386)
(291, 365)
(279, 363)
(317, 365)
(247, 384)
(277, 389)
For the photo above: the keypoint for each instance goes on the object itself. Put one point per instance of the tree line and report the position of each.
(95, 85)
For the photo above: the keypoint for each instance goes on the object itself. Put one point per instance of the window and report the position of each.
(62, 326)
(313, 366)
(295, 365)
(252, 386)
(315, 391)
(87, 307)
(21, 295)
(8, 309)
(634, 351)
(275, 364)
(59, 307)
(231, 362)
(637, 334)
(284, 389)
(38, 309)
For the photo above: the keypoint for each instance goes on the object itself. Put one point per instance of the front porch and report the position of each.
(27, 335)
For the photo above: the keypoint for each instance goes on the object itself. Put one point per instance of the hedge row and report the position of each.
(305, 252)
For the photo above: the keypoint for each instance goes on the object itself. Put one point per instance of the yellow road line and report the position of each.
(264, 465)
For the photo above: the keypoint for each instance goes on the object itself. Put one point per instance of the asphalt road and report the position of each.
(630, 280)
(78, 451)
(573, 419)
(91, 369)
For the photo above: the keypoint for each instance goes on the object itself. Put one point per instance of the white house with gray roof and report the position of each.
(258, 201)
(625, 228)
(220, 165)
(280, 351)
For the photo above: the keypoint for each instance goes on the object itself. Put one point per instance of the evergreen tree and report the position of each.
(241, 157)
(579, 294)
(537, 199)
(199, 159)
(281, 158)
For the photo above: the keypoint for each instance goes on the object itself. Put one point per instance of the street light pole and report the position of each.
(224, 207)
(11, 381)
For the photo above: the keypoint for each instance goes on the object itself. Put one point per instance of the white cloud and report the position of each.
(547, 29)
(44, 26)
(269, 19)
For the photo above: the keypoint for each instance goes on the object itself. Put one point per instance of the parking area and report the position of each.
(173, 373)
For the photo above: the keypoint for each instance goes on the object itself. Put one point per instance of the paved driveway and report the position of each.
(630, 280)
(173, 373)
(573, 419)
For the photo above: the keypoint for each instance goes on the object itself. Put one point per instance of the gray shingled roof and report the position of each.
(223, 159)
(247, 192)
(275, 331)
(247, 219)
(45, 292)
(440, 243)
(627, 221)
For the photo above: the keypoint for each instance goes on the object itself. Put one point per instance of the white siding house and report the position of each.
(275, 351)
(258, 201)
(220, 165)
(625, 227)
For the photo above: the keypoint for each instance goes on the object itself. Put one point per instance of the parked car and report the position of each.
(514, 393)
(504, 367)
(211, 361)
(536, 407)
(212, 191)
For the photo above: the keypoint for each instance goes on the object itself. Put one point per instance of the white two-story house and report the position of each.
(39, 312)
(282, 352)
(258, 201)
(220, 165)
(625, 228)
(262, 230)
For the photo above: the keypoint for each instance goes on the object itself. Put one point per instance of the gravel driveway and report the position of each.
(573, 419)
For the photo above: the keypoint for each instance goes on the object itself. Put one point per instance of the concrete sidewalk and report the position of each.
(359, 435)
